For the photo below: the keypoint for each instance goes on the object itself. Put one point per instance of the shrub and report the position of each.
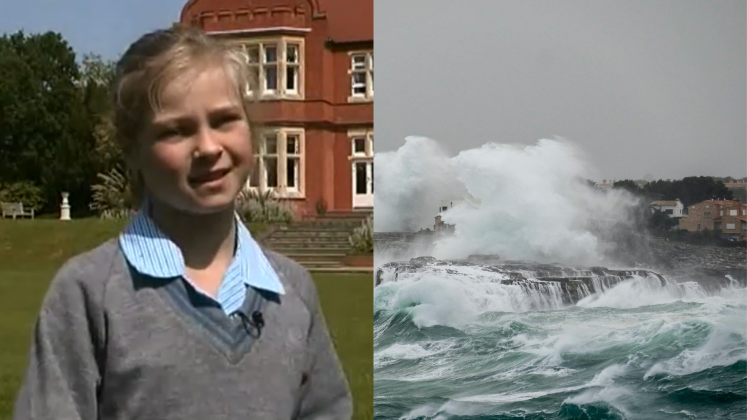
(256, 207)
(362, 237)
(111, 198)
(30, 195)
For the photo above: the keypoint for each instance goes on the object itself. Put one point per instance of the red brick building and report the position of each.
(314, 64)
(727, 216)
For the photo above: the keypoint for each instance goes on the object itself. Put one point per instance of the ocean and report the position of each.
(540, 340)
(454, 342)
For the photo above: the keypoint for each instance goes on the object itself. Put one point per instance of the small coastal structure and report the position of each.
(440, 228)
(672, 208)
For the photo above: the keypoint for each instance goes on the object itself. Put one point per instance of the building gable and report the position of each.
(346, 21)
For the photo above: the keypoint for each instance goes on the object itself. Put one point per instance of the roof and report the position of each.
(349, 20)
(664, 203)
(723, 203)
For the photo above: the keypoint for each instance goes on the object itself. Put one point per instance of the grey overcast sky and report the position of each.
(645, 87)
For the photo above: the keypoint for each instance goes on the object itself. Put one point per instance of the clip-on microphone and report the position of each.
(257, 321)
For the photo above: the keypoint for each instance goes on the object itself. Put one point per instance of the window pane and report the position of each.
(359, 83)
(360, 178)
(359, 145)
(292, 144)
(271, 78)
(291, 78)
(291, 54)
(253, 81)
(271, 144)
(271, 172)
(358, 62)
(271, 54)
(292, 172)
(252, 53)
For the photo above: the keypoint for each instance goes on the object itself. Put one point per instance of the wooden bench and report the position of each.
(15, 210)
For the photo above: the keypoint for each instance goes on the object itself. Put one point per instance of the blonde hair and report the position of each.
(150, 64)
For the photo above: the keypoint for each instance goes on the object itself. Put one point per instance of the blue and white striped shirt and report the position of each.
(151, 253)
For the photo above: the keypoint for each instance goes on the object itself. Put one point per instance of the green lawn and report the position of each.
(31, 252)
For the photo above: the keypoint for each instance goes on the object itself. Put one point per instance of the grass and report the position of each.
(32, 251)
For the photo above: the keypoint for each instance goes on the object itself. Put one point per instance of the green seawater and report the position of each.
(638, 351)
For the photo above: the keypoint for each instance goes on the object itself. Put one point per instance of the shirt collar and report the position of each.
(152, 253)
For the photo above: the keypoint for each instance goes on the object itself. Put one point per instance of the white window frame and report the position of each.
(294, 65)
(366, 156)
(296, 157)
(266, 64)
(733, 212)
(282, 156)
(367, 70)
(281, 64)
(367, 139)
(731, 226)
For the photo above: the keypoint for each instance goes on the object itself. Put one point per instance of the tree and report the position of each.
(44, 131)
(96, 78)
(739, 193)
(702, 188)
(661, 221)
(628, 185)
(690, 190)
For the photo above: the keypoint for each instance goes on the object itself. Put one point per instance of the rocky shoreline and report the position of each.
(708, 265)
(569, 284)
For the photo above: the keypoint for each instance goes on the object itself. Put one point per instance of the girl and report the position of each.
(183, 316)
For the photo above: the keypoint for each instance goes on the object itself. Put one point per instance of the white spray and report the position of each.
(534, 202)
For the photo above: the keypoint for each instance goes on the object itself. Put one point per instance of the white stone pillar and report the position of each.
(65, 207)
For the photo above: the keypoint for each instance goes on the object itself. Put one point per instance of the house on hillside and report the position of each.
(606, 185)
(732, 183)
(738, 188)
(734, 227)
(717, 215)
(672, 208)
(314, 66)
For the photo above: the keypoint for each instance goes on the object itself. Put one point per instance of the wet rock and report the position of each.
(570, 284)
(707, 265)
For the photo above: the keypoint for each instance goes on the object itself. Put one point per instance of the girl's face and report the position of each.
(195, 154)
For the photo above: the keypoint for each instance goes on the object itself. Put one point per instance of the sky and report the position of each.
(103, 27)
(644, 87)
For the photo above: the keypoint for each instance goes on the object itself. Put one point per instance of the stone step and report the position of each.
(318, 227)
(343, 270)
(313, 256)
(307, 239)
(320, 264)
(322, 233)
(307, 244)
(324, 252)
(333, 215)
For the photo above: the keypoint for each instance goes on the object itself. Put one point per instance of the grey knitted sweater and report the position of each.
(112, 344)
